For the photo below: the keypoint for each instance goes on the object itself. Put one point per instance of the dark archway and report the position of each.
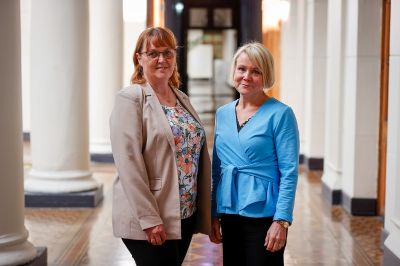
(246, 19)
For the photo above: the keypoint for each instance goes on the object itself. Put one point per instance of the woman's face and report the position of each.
(247, 77)
(157, 62)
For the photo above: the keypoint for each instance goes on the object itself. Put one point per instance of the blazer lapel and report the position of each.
(186, 103)
(155, 105)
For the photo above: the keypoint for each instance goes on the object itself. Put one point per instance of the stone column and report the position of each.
(332, 177)
(293, 61)
(106, 50)
(25, 66)
(14, 247)
(59, 89)
(315, 73)
(361, 106)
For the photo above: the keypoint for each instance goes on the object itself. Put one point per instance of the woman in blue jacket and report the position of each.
(255, 165)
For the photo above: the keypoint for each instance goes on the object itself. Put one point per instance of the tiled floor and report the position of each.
(320, 234)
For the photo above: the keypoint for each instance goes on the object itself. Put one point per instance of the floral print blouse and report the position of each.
(189, 137)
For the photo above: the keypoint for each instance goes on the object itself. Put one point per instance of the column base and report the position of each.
(64, 200)
(19, 253)
(384, 235)
(102, 157)
(332, 196)
(389, 258)
(391, 250)
(41, 258)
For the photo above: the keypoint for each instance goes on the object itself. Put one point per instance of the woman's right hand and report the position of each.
(216, 236)
(156, 235)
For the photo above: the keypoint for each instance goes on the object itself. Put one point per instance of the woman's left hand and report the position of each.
(276, 237)
(156, 235)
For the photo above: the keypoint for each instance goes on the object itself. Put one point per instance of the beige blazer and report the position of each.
(146, 189)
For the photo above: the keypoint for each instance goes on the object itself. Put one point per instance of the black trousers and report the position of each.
(171, 253)
(243, 242)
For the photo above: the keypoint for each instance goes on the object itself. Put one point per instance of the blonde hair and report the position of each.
(157, 36)
(259, 56)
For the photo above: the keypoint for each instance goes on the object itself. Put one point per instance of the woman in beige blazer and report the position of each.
(162, 191)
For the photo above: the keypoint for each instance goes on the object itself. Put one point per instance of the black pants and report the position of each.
(243, 241)
(171, 253)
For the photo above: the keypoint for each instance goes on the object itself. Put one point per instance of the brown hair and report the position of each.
(157, 36)
(261, 57)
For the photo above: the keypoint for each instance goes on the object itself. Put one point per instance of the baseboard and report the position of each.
(312, 163)
(359, 206)
(41, 258)
(26, 136)
(64, 200)
(301, 159)
(102, 157)
(332, 196)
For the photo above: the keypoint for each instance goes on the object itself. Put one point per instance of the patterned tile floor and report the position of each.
(320, 235)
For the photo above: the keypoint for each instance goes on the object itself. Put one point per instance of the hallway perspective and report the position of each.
(320, 234)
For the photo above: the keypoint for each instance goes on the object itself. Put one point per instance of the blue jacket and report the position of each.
(255, 170)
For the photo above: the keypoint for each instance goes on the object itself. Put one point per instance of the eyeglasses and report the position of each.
(154, 54)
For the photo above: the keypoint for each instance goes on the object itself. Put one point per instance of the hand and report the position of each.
(216, 236)
(276, 237)
(156, 235)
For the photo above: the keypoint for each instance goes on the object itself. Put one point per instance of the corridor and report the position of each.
(320, 234)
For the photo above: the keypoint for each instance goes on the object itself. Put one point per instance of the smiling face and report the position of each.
(157, 62)
(247, 77)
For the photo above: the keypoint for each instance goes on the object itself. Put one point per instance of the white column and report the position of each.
(14, 247)
(361, 99)
(392, 204)
(106, 68)
(25, 64)
(332, 177)
(315, 73)
(293, 50)
(59, 86)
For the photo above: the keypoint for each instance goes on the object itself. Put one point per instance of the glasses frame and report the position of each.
(158, 53)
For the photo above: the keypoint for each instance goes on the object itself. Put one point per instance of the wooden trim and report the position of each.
(272, 40)
(383, 106)
(149, 13)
